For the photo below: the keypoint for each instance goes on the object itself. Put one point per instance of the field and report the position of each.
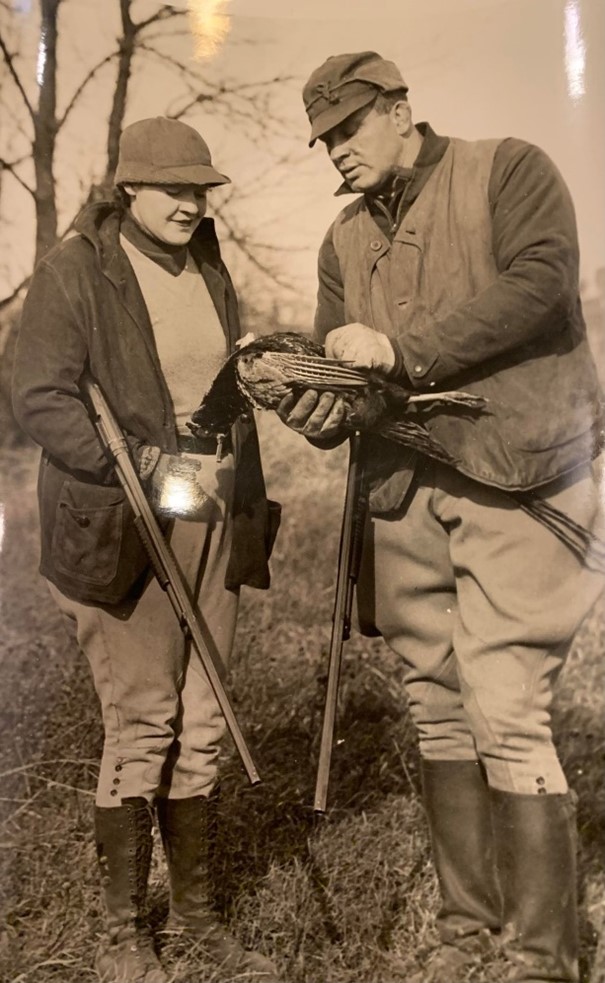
(347, 899)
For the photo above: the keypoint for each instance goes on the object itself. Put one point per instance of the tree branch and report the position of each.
(162, 35)
(6, 166)
(225, 97)
(9, 164)
(5, 301)
(243, 243)
(165, 13)
(118, 108)
(87, 78)
(172, 61)
(15, 77)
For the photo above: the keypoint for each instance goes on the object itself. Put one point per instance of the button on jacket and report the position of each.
(476, 283)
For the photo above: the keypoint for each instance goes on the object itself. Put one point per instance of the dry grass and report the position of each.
(345, 900)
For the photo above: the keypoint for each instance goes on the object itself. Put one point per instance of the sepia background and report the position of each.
(338, 901)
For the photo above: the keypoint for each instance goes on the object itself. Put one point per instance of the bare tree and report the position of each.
(40, 123)
(43, 105)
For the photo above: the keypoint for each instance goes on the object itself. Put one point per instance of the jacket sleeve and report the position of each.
(232, 305)
(535, 247)
(51, 355)
(330, 311)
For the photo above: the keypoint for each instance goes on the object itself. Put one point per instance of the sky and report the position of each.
(476, 68)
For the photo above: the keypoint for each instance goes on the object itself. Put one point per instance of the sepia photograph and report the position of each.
(302, 499)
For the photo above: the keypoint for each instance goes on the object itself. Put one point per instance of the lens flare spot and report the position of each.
(575, 51)
(41, 60)
(210, 25)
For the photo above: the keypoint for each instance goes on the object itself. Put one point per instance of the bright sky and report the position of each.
(475, 68)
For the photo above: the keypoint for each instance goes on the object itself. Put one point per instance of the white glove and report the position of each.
(363, 347)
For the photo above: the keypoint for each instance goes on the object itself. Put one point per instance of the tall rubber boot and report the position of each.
(457, 805)
(536, 852)
(124, 845)
(185, 825)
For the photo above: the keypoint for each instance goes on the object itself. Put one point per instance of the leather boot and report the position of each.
(124, 845)
(185, 825)
(457, 805)
(536, 853)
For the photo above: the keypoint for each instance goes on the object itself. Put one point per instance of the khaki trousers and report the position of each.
(162, 723)
(481, 602)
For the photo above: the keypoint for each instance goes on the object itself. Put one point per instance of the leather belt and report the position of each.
(190, 444)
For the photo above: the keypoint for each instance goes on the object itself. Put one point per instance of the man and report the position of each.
(457, 268)
(141, 299)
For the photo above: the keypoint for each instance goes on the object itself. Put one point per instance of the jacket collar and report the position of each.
(100, 224)
(431, 151)
(170, 258)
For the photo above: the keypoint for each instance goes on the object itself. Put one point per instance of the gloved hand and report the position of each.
(315, 415)
(175, 488)
(363, 347)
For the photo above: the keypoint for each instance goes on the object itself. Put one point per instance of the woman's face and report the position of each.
(168, 212)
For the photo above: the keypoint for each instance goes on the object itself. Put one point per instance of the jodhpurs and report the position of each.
(162, 723)
(481, 602)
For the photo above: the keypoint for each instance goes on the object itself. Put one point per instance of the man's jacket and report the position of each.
(84, 312)
(507, 327)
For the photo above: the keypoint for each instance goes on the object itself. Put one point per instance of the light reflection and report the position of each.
(575, 51)
(178, 498)
(42, 52)
(209, 24)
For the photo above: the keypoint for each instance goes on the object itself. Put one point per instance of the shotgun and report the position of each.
(349, 556)
(162, 559)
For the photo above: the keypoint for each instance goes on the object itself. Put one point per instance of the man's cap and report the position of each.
(165, 151)
(345, 83)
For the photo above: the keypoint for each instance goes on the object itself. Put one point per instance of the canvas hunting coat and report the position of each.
(84, 312)
(476, 283)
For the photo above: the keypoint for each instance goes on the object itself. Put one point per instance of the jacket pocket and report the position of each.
(87, 537)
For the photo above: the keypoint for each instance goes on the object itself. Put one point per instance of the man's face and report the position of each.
(168, 212)
(365, 148)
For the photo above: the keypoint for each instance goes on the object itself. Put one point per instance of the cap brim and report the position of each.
(338, 112)
(198, 174)
(194, 174)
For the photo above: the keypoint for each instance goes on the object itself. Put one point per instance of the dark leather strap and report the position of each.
(189, 444)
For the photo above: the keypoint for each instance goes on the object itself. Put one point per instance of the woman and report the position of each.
(141, 299)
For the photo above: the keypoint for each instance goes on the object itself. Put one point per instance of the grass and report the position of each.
(346, 899)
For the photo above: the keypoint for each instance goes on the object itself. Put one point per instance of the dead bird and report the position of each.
(261, 373)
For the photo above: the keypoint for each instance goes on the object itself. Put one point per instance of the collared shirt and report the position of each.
(389, 206)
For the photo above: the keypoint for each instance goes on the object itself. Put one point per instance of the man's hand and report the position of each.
(313, 415)
(363, 347)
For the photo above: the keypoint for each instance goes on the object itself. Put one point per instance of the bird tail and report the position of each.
(590, 549)
(417, 437)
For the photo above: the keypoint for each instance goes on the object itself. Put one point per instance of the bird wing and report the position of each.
(330, 373)
(316, 371)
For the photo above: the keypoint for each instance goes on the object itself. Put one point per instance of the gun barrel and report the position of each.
(349, 553)
(163, 562)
